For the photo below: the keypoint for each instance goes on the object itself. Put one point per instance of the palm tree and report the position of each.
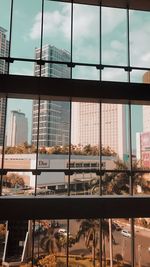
(52, 241)
(89, 228)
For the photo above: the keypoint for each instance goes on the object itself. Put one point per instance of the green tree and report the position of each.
(12, 180)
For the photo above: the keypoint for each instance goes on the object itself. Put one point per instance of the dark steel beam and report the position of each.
(133, 4)
(73, 207)
(82, 90)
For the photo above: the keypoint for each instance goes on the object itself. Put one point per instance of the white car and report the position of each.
(62, 231)
(126, 233)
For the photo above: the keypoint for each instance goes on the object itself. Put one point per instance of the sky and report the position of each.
(57, 31)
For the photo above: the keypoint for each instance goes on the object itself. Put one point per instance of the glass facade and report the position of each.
(79, 180)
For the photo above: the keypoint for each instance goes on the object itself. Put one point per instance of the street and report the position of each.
(122, 245)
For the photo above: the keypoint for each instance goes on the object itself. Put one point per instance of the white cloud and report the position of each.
(57, 30)
(55, 23)
(117, 45)
(139, 42)
(86, 22)
(146, 57)
(111, 18)
(114, 75)
(35, 30)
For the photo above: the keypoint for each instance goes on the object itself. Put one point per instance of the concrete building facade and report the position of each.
(86, 125)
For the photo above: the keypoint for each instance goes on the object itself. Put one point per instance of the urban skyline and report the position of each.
(61, 71)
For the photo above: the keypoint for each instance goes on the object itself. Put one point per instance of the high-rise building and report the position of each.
(4, 44)
(86, 125)
(54, 115)
(146, 109)
(17, 129)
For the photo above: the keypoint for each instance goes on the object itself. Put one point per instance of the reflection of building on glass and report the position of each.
(17, 132)
(4, 44)
(54, 115)
(86, 125)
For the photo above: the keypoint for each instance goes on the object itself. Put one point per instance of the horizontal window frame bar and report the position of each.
(75, 170)
(29, 87)
(73, 207)
(74, 64)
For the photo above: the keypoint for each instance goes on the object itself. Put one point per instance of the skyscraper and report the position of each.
(17, 129)
(54, 115)
(86, 125)
(4, 44)
(146, 109)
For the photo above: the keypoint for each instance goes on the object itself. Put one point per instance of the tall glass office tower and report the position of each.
(4, 44)
(54, 115)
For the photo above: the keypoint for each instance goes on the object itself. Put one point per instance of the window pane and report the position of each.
(86, 34)
(57, 30)
(114, 135)
(114, 48)
(85, 145)
(19, 151)
(26, 28)
(139, 38)
(16, 183)
(22, 68)
(5, 8)
(4, 33)
(137, 76)
(116, 75)
(86, 73)
(50, 242)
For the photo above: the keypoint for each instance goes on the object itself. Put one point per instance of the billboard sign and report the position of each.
(145, 141)
(146, 159)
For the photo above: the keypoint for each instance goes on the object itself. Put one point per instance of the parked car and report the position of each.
(126, 233)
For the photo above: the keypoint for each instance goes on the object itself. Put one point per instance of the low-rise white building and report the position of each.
(48, 164)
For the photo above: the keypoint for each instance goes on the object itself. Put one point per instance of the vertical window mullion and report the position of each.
(38, 123)
(10, 33)
(130, 143)
(39, 100)
(70, 133)
(6, 99)
(100, 134)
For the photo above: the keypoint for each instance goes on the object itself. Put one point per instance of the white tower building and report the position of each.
(17, 129)
(86, 126)
(146, 109)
